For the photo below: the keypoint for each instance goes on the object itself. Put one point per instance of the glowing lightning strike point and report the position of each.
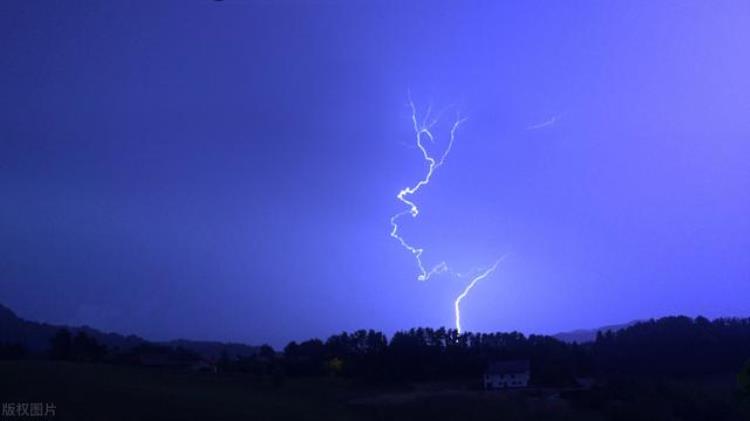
(421, 131)
(457, 303)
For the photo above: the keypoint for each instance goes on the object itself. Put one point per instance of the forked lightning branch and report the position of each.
(423, 131)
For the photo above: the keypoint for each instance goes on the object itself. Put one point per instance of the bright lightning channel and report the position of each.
(422, 130)
(457, 304)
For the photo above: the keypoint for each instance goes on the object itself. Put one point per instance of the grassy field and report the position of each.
(108, 392)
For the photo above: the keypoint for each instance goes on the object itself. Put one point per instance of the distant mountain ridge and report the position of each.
(36, 337)
(589, 335)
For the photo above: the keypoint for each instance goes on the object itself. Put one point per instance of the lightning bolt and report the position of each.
(422, 130)
(550, 122)
(457, 304)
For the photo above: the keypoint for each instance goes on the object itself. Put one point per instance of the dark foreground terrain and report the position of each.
(674, 368)
(83, 391)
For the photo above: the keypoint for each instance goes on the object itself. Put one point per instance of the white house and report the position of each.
(507, 374)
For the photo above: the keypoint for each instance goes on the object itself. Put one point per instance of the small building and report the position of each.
(507, 374)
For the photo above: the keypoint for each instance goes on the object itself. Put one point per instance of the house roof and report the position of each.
(508, 367)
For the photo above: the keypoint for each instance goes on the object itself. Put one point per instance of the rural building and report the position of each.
(507, 374)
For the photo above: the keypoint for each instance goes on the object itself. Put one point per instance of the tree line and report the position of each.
(667, 347)
(680, 347)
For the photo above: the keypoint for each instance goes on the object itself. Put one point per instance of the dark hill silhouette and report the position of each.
(589, 335)
(691, 369)
(35, 337)
(675, 345)
(214, 350)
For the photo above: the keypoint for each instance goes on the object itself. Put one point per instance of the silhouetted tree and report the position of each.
(674, 346)
(668, 347)
(225, 364)
(86, 348)
(12, 351)
(743, 380)
(60, 345)
(266, 353)
(306, 358)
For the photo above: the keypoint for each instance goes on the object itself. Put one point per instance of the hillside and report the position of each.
(35, 337)
(589, 335)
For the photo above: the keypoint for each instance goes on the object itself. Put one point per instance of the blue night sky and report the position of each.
(227, 170)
